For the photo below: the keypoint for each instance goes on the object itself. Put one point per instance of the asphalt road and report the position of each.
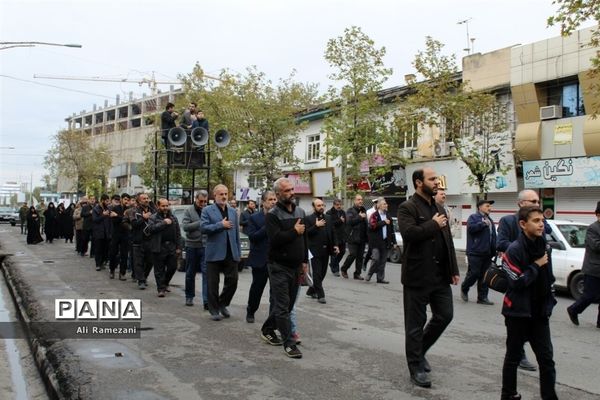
(353, 346)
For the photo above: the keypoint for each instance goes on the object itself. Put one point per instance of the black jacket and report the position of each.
(86, 215)
(155, 228)
(529, 292)
(339, 226)
(419, 234)
(139, 224)
(259, 241)
(320, 239)
(376, 227)
(356, 227)
(102, 225)
(591, 260)
(286, 247)
(167, 121)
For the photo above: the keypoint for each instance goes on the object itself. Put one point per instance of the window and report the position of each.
(408, 140)
(566, 94)
(371, 149)
(255, 181)
(313, 148)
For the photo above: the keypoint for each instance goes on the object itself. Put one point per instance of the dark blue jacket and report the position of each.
(529, 292)
(481, 240)
(509, 230)
(259, 241)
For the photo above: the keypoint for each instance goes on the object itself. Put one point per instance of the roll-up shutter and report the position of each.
(576, 204)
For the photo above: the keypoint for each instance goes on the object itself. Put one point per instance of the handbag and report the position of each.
(495, 277)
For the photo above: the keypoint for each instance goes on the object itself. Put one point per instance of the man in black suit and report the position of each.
(322, 243)
(256, 229)
(428, 268)
(168, 120)
(381, 239)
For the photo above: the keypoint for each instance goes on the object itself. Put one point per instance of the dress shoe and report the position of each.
(464, 296)
(161, 293)
(322, 300)
(368, 278)
(485, 302)
(142, 285)
(168, 289)
(383, 281)
(336, 274)
(526, 365)
(250, 318)
(344, 274)
(122, 277)
(111, 275)
(311, 294)
(426, 366)
(359, 278)
(205, 306)
(573, 316)
(225, 312)
(189, 301)
(421, 378)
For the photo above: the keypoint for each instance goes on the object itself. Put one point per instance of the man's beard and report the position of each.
(429, 191)
(288, 201)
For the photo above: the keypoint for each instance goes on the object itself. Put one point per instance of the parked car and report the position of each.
(568, 247)
(8, 214)
(178, 212)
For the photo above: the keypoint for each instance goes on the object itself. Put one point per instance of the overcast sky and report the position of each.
(133, 38)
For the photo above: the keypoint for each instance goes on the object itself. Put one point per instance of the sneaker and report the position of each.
(161, 293)
(292, 351)
(526, 365)
(205, 306)
(189, 301)
(322, 300)
(485, 302)
(122, 277)
(225, 312)
(345, 274)
(142, 285)
(111, 275)
(98, 268)
(464, 296)
(336, 274)
(296, 337)
(271, 338)
(250, 318)
(358, 277)
(216, 316)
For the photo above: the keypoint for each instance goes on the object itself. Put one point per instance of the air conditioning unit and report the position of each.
(550, 112)
(408, 153)
(442, 149)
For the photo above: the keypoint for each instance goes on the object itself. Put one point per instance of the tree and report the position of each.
(570, 15)
(357, 118)
(474, 122)
(71, 156)
(260, 116)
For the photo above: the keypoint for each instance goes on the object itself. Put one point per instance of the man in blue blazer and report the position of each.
(220, 224)
(256, 229)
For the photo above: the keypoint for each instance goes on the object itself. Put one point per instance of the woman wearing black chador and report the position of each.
(51, 224)
(33, 227)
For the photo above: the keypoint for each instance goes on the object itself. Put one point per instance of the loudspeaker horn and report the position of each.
(222, 138)
(177, 136)
(199, 136)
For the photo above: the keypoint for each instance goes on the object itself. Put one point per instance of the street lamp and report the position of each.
(9, 45)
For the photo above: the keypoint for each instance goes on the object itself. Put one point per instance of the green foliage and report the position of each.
(357, 118)
(71, 156)
(570, 15)
(474, 121)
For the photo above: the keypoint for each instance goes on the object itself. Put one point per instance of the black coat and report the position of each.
(419, 233)
(591, 260)
(259, 241)
(356, 227)
(376, 227)
(320, 239)
(33, 228)
(102, 228)
(51, 225)
(339, 226)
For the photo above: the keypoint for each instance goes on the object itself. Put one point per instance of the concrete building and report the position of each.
(123, 128)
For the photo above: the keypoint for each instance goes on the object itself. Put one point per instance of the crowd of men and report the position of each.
(290, 248)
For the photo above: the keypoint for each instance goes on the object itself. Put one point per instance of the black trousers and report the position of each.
(78, 240)
(119, 253)
(537, 332)
(230, 281)
(476, 269)
(319, 270)
(336, 259)
(86, 235)
(420, 337)
(591, 294)
(284, 289)
(142, 260)
(355, 253)
(101, 250)
(165, 265)
(260, 277)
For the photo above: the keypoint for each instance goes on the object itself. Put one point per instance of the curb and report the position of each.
(39, 351)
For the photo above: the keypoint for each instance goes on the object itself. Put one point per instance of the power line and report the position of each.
(56, 87)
